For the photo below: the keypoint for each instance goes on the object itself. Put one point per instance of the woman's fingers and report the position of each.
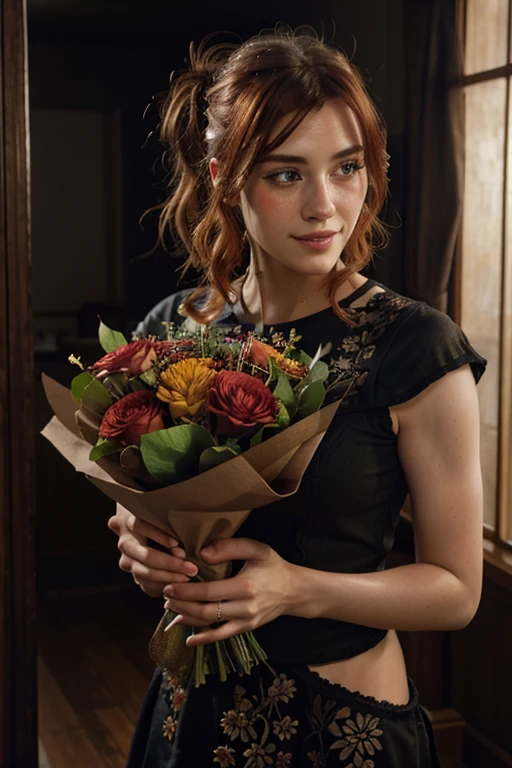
(152, 563)
(141, 528)
(236, 588)
(151, 575)
(229, 629)
(204, 614)
(151, 588)
(124, 521)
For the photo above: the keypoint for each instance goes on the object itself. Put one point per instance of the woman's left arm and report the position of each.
(438, 446)
(439, 450)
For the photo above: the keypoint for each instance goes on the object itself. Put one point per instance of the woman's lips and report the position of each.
(318, 244)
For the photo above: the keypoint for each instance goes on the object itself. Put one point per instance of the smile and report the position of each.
(317, 243)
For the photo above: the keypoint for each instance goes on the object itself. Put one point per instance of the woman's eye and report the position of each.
(275, 176)
(286, 176)
(352, 168)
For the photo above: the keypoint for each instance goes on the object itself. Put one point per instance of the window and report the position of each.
(485, 266)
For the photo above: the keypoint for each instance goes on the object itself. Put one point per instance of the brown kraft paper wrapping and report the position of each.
(211, 505)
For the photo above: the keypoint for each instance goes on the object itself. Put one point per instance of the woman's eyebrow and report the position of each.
(297, 159)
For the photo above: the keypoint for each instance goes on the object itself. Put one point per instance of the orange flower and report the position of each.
(260, 353)
(184, 386)
(291, 367)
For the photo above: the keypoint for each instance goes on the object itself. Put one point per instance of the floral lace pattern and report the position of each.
(261, 722)
(349, 368)
(264, 730)
(175, 698)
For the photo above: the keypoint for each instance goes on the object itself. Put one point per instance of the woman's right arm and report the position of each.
(150, 568)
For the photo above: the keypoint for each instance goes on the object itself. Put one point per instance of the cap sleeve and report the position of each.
(165, 311)
(425, 346)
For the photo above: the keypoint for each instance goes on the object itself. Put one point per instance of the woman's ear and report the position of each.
(214, 170)
(214, 173)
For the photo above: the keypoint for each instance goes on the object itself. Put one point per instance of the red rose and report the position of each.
(240, 402)
(133, 358)
(139, 413)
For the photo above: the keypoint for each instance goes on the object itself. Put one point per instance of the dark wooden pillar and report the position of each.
(18, 658)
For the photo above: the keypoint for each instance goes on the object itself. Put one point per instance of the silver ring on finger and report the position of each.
(219, 615)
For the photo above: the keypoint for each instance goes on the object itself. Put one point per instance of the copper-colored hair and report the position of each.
(226, 106)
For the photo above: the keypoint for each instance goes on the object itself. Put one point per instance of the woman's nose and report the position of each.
(319, 202)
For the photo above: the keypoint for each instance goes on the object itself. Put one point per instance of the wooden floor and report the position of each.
(94, 669)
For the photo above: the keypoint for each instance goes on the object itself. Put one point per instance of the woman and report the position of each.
(278, 155)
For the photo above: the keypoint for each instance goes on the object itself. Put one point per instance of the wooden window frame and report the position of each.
(496, 544)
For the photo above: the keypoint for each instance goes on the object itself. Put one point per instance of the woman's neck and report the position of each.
(275, 294)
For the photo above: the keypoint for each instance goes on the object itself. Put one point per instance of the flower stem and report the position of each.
(220, 662)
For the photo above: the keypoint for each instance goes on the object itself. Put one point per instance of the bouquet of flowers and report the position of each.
(191, 433)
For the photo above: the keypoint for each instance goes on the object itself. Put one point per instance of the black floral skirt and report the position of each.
(283, 716)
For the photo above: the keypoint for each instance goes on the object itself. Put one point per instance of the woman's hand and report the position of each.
(266, 587)
(150, 568)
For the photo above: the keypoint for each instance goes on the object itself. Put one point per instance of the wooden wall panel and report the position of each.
(481, 668)
(465, 678)
(18, 723)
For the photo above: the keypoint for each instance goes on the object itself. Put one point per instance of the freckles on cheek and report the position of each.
(269, 204)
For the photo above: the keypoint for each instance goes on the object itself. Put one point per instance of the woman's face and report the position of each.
(313, 182)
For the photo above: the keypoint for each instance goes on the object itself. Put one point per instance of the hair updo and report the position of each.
(226, 106)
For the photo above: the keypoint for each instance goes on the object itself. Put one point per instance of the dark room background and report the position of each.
(94, 68)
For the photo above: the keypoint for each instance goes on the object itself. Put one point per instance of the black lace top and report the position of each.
(343, 516)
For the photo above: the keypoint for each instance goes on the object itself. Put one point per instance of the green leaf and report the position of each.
(311, 399)
(319, 372)
(116, 384)
(231, 442)
(136, 385)
(257, 438)
(150, 377)
(131, 461)
(283, 391)
(110, 339)
(214, 456)
(171, 455)
(96, 397)
(78, 385)
(283, 417)
(104, 448)
(88, 424)
(302, 357)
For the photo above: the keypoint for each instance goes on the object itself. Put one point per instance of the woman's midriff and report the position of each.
(379, 672)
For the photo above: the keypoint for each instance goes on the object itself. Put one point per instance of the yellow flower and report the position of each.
(184, 386)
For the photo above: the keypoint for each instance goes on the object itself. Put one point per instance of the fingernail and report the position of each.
(177, 620)
(191, 569)
(178, 552)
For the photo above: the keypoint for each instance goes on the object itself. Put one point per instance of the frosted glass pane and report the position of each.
(487, 27)
(481, 261)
